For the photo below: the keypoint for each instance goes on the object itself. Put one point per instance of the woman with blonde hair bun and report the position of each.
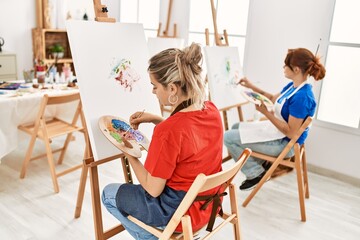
(187, 143)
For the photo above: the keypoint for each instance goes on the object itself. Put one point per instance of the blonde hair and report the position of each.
(183, 68)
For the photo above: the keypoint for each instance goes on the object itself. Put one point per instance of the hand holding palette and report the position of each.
(119, 133)
(256, 98)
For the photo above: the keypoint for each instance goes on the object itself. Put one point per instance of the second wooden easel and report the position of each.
(165, 33)
(222, 40)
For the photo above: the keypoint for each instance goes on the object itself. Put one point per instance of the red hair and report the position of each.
(306, 61)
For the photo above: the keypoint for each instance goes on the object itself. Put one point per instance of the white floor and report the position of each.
(29, 209)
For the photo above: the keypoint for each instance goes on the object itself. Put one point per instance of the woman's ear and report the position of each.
(296, 70)
(173, 88)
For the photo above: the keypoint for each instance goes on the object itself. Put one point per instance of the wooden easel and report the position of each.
(219, 39)
(101, 12)
(166, 31)
(90, 165)
(166, 35)
(222, 40)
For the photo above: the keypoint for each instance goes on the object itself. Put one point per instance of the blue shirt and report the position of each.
(301, 105)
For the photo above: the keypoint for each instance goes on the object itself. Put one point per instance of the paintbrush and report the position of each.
(141, 113)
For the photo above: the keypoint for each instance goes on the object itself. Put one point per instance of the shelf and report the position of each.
(43, 39)
(59, 61)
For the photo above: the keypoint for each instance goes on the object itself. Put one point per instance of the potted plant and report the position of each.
(57, 50)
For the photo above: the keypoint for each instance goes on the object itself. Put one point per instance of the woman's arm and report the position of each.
(288, 128)
(246, 83)
(153, 185)
(142, 117)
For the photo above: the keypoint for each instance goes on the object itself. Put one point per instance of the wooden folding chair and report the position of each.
(47, 129)
(299, 164)
(201, 184)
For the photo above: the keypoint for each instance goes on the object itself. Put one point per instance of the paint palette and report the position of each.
(120, 133)
(256, 98)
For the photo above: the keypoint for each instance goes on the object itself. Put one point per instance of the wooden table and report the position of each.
(21, 106)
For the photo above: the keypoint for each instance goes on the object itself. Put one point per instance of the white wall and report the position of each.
(326, 148)
(334, 150)
(17, 18)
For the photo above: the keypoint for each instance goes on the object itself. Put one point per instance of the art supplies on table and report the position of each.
(7, 93)
(9, 86)
(123, 136)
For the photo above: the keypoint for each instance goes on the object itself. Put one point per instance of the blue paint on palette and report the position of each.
(121, 125)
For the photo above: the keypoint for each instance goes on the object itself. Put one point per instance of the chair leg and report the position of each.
(50, 159)
(235, 210)
(187, 228)
(306, 180)
(64, 148)
(262, 181)
(28, 156)
(300, 185)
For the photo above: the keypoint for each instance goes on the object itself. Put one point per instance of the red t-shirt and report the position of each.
(184, 145)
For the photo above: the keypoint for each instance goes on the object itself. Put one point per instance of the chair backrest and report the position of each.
(203, 183)
(293, 140)
(280, 159)
(72, 118)
(61, 99)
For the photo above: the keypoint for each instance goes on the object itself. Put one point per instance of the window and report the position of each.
(76, 9)
(339, 98)
(231, 16)
(141, 11)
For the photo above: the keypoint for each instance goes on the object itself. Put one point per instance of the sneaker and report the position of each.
(251, 183)
(266, 165)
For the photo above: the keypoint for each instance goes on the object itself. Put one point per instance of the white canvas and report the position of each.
(158, 44)
(97, 49)
(224, 71)
(270, 36)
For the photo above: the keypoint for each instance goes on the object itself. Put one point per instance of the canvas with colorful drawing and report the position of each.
(224, 71)
(113, 82)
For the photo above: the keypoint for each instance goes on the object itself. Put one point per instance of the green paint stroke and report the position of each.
(116, 136)
(227, 66)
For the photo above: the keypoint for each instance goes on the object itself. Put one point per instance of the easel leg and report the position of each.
(96, 203)
(95, 197)
(89, 164)
(126, 170)
(81, 191)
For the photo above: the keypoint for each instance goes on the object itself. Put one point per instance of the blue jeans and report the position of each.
(109, 201)
(253, 166)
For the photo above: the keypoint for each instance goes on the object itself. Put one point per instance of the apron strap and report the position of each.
(217, 203)
(181, 106)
